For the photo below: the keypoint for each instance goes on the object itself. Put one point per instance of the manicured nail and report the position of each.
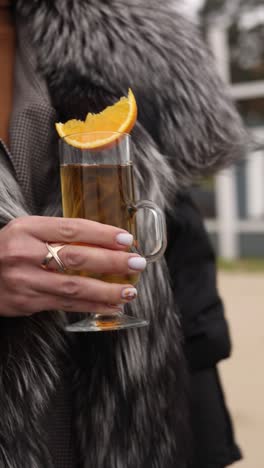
(129, 294)
(124, 238)
(137, 263)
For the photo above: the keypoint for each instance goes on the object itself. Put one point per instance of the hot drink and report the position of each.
(102, 193)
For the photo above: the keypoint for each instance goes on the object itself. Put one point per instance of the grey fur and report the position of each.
(129, 388)
(159, 54)
(12, 203)
(29, 373)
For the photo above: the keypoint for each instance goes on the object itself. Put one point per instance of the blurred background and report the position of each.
(233, 208)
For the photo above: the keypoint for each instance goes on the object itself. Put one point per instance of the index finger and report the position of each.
(76, 230)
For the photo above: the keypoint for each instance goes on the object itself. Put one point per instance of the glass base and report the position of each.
(98, 323)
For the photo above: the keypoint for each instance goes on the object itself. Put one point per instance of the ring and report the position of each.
(53, 254)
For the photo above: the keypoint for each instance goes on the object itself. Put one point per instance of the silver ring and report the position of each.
(53, 251)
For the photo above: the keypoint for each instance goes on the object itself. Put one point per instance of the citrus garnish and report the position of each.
(120, 118)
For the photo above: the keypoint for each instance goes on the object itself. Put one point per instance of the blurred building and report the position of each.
(233, 202)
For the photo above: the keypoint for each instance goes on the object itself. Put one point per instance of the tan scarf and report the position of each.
(7, 60)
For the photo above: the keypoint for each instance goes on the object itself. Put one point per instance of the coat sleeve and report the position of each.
(191, 263)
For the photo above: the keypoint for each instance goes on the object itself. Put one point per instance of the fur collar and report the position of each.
(151, 48)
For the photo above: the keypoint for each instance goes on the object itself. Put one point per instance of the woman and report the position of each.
(109, 400)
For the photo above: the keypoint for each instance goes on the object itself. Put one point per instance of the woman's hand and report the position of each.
(26, 288)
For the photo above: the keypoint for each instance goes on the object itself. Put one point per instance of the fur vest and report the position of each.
(129, 388)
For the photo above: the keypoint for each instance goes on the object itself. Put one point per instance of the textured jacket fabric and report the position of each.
(128, 390)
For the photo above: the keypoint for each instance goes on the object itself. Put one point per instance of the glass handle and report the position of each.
(159, 229)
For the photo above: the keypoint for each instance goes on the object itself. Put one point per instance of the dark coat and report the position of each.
(192, 267)
(128, 390)
(191, 261)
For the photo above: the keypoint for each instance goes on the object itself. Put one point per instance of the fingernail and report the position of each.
(124, 238)
(137, 263)
(129, 294)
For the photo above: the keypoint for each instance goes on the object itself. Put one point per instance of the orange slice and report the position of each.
(120, 117)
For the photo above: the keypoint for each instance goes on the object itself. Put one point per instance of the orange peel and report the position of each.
(101, 130)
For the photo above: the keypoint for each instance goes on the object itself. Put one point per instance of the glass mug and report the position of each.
(98, 184)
